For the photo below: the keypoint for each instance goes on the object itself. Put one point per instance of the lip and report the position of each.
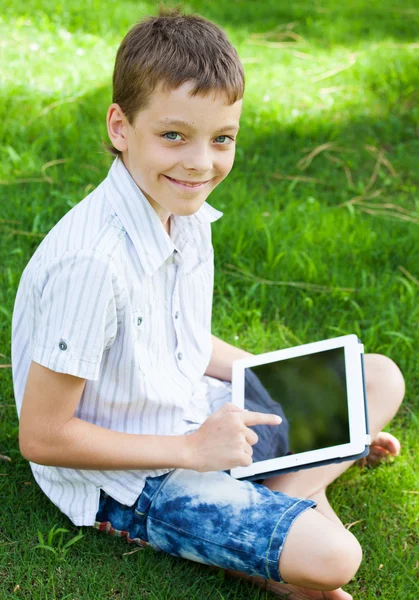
(194, 185)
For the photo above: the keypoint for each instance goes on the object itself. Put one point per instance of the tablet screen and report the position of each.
(309, 393)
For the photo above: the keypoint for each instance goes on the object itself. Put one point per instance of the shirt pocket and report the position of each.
(204, 264)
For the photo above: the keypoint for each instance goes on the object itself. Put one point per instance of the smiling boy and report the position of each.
(123, 394)
(175, 176)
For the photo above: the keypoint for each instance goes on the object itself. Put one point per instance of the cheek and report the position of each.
(225, 164)
(161, 160)
(153, 157)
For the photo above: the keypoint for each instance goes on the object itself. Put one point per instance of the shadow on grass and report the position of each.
(73, 133)
(268, 156)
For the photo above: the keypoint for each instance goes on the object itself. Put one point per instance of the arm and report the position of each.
(49, 434)
(222, 357)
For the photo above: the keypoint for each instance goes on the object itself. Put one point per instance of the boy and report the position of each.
(123, 393)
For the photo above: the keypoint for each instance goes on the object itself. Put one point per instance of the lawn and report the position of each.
(319, 238)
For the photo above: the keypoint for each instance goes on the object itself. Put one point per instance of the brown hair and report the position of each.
(171, 49)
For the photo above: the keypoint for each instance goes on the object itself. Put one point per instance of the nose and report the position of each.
(198, 158)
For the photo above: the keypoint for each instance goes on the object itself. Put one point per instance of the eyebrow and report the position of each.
(186, 125)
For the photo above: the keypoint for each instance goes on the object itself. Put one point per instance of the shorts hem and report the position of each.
(277, 543)
(108, 528)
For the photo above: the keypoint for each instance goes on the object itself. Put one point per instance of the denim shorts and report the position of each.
(209, 518)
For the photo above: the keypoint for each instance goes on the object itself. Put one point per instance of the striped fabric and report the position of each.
(110, 297)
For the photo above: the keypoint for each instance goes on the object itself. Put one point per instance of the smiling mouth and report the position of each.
(188, 184)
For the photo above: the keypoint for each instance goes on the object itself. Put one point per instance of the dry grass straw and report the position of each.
(348, 526)
(44, 178)
(374, 151)
(347, 170)
(336, 70)
(307, 160)
(385, 209)
(28, 180)
(381, 209)
(312, 287)
(53, 163)
(27, 233)
(10, 221)
(53, 105)
(281, 36)
(333, 89)
(409, 275)
(287, 336)
(296, 178)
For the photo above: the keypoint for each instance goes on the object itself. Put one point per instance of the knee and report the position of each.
(341, 560)
(385, 382)
(319, 554)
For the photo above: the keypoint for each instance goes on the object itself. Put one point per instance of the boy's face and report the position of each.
(163, 157)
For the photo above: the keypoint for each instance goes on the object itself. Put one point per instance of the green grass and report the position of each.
(351, 80)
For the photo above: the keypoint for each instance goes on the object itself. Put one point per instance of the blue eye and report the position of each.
(227, 137)
(171, 136)
(171, 133)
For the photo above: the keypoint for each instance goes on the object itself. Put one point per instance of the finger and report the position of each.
(256, 418)
(249, 450)
(251, 436)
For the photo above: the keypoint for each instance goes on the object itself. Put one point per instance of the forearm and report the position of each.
(83, 445)
(222, 358)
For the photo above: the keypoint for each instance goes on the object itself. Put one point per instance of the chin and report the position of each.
(187, 210)
(188, 206)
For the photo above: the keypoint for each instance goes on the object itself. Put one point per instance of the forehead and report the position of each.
(170, 106)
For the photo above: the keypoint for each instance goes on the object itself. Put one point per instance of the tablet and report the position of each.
(319, 391)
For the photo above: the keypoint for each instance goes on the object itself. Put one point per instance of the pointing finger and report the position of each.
(257, 418)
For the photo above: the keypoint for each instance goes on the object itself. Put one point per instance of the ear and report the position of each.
(117, 124)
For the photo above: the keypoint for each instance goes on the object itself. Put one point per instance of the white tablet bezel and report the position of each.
(359, 438)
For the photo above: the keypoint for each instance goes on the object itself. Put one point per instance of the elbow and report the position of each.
(32, 450)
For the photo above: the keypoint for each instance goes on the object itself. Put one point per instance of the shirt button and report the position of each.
(62, 345)
(180, 355)
(177, 314)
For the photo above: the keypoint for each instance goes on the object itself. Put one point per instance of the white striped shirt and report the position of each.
(110, 297)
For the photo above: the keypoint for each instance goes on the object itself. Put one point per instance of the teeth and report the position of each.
(187, 184)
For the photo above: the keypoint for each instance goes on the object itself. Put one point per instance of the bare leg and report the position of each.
(318, 557)
(324, 507)
(385, 390)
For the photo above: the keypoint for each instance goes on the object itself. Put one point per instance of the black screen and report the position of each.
(309, 393)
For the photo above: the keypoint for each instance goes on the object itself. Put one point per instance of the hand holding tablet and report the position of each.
(319, 391)
(224, 440)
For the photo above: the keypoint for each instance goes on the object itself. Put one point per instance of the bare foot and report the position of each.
(295, 592)
(291, 592)
(383, 446)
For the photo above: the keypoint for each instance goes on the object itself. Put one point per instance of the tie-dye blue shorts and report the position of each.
(210, 518)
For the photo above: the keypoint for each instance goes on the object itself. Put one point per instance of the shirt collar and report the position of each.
(141, 222)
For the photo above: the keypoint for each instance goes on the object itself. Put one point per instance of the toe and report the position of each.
(385, 443)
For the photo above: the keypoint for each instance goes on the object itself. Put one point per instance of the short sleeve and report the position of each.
(77, 313)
